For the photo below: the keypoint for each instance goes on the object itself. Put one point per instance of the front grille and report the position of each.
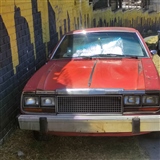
(89, 104)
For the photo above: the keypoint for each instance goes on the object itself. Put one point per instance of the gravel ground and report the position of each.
(150, 145)
(22, 145)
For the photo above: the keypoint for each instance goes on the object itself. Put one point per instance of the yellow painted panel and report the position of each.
(11, 31)
(43, 8)
(25, 12)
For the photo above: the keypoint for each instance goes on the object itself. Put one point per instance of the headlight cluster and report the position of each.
(141, 100)
(31, 101)
(39, 101)
(150, 100)
(131, 100)
(47, 101)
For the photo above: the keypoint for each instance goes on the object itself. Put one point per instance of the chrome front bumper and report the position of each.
(90, 123)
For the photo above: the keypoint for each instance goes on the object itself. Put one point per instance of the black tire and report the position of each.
(39, 136)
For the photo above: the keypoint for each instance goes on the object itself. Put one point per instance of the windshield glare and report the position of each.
(100, 44)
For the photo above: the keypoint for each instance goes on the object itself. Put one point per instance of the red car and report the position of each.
(97, 82)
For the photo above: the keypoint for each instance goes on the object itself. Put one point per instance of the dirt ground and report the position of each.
(22, 146)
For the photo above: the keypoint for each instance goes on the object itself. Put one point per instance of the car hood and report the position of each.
(127, 74)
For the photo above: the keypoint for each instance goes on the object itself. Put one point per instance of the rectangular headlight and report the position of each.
(150, 100)
(31, 101)
(131, 100)
(47, 101)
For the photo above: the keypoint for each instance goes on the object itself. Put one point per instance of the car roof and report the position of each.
(104, 29)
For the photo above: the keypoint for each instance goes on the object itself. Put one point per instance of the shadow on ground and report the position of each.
(71, 148)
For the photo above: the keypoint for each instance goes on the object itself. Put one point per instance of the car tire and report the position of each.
(39, 136)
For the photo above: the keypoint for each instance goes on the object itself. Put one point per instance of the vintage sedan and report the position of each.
(97, 82)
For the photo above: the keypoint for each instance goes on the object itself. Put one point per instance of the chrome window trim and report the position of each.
(54, 51)
(147, 54)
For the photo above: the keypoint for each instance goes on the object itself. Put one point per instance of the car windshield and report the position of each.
(100, 44)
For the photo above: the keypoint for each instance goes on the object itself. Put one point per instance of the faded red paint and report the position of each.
(129, 74)
(152, 81)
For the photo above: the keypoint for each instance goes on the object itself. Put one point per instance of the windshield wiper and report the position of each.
(123, 56)
(131, 56)
(100, 56)
(108, 55)
(85, 57)
(116, 55)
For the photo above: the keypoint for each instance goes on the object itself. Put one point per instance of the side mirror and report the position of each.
(153, 52)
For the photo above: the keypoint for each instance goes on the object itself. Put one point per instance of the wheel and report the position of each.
(39, 136)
